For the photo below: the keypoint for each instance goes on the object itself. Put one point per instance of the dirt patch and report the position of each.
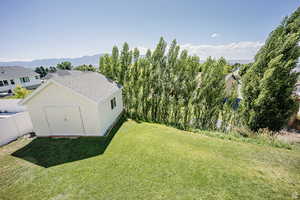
(289, 136)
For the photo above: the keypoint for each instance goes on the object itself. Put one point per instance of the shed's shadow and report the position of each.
(48, 152)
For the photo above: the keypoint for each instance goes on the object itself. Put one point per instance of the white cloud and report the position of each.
(143, 50)
(233, 51)
(244, 50)
(13, 60)
(214, 35)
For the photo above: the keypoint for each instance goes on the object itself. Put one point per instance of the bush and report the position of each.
(20, 92)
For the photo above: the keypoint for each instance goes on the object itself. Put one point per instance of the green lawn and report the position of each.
(147, 161)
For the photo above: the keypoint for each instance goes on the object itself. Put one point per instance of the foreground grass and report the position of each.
(147, 161)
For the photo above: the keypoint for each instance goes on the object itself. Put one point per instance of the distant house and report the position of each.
(11, 76)
(75, 104)
(231, 80)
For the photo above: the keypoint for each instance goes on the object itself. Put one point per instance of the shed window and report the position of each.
(12, 81)
(113, 103)
(24, 79)
(36, 77)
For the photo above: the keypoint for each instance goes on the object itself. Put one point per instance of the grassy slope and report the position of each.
(147, 161)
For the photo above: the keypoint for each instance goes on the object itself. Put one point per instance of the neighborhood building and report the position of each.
(11, 76)
(75, 104)
(294, 121)
(232, 81)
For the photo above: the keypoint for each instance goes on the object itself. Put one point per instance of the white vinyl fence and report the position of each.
(14, 126)
(11, 105)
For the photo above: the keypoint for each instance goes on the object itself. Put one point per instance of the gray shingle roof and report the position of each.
(92, 85)
(60, 72)
(12, 72)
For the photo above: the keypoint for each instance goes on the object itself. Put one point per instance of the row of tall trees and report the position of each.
(168, 86)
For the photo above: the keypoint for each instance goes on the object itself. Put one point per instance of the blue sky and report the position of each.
(236, 29)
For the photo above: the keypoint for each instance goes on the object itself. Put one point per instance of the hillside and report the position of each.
(147, 161)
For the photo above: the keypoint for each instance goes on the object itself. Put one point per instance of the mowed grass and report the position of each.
(147, 161)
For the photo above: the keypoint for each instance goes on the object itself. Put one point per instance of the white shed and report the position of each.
(75, 104)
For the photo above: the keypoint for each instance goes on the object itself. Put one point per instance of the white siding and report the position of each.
(33, 81)
(106, 114)
(54, 95)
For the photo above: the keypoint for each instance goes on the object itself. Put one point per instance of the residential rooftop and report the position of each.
(12, 72)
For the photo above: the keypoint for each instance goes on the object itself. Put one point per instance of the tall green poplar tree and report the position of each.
(269, 82)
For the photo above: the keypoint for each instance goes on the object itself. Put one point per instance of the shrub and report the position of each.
(20, 92)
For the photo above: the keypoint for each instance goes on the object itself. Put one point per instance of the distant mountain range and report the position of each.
(93, 60)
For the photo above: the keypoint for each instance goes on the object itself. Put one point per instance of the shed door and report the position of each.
(64, 120)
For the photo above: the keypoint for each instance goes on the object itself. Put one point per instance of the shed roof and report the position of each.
(91, 85)
(12, 72)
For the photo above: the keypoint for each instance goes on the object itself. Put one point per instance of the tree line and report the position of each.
(43, 71)
(169, 86)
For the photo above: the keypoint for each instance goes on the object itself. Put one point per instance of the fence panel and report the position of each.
(14, 126)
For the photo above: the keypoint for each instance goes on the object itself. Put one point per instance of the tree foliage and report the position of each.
(269, 82)
(64, 66)
(168, 86)
(20, 92)
(43, 71)
(85, 68)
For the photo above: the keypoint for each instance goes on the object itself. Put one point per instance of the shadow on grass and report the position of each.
(48, 152)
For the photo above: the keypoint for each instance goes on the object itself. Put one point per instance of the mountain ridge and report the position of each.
(47, 62)
(93, 60)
